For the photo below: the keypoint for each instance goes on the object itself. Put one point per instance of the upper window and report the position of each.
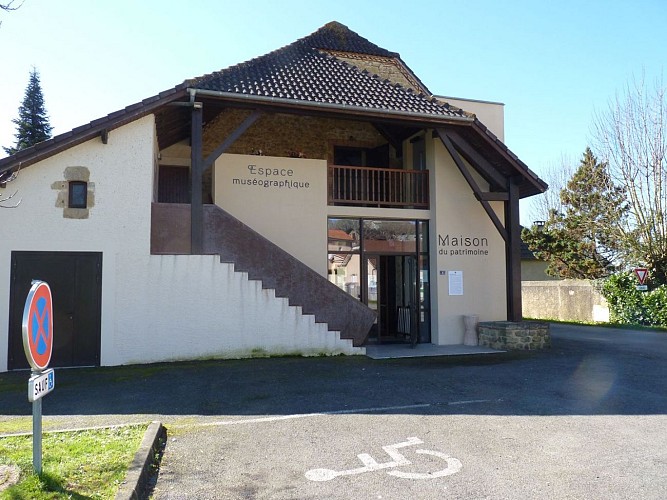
(350, 156)
(173, 185)
(78, 194)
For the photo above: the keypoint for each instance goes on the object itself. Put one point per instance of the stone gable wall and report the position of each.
(283, 135)
(385, 67)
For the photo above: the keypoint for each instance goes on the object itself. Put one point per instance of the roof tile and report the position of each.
(301, 71)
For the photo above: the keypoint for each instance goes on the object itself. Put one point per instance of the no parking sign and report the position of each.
(37, 329)
(38, 326)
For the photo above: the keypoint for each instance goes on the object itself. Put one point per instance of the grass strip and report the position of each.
(79, 464)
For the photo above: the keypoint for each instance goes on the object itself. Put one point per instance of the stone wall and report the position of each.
(520, 336)
(283, 135)
(563, 300)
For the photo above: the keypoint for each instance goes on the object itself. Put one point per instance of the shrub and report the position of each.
(628, 305)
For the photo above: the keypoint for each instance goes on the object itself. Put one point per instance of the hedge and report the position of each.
(627, 305)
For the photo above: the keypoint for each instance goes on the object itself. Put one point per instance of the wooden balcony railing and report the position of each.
(378, 187)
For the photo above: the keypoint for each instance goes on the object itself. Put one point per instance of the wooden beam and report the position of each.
(231, 139)
(396, 142)
(492, 196)
(513, 253)
(488, 171)
(471, 182)
(196, 180)
(519, 167)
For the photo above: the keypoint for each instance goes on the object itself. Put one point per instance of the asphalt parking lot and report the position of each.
(585, 419)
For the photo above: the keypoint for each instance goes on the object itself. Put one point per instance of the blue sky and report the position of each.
(552, 64)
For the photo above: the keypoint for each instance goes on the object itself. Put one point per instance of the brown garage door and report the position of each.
(75, 279)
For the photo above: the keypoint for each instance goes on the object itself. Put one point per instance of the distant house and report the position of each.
(221, 217)
(532, 268)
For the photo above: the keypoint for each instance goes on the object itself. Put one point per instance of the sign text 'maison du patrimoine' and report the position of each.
(462, 245)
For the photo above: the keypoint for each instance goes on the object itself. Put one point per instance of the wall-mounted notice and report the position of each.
(455, 282)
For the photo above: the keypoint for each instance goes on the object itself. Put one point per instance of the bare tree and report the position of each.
(631, 136)
(6, 199)
(9, 6)
(5, 178)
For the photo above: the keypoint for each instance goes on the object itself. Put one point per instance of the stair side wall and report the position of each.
(201, 308)
(262, 259)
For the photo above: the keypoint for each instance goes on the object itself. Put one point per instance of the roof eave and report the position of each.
(535, 184)
(119, 118)
(427, 119)
(81, 134)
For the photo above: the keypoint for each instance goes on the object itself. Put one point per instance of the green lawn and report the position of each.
(81, 464)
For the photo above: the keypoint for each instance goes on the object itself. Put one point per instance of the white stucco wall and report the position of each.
(153, 307)
(456, 213)
(491, 114)
(119, 222)
(202, 308)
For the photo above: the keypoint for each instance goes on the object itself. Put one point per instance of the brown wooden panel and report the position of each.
(75, 279)
(170, 228)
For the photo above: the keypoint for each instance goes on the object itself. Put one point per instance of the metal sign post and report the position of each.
(37, 436)
(37, 329)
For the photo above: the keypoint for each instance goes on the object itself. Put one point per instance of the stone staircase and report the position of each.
(250, 252)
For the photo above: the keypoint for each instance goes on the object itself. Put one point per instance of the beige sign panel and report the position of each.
(283, 199)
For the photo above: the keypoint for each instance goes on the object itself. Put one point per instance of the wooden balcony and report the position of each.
(378, 187)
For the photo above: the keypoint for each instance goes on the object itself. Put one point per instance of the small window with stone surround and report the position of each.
(78, 194)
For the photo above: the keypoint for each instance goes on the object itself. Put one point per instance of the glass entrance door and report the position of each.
(371, 292)
(391, 287)
(385, 264)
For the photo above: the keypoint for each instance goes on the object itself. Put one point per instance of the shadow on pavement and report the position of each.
(578, 376)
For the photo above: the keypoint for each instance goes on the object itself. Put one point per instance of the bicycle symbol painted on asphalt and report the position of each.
(398, 460)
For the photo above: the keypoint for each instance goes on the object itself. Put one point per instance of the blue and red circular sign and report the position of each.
(38, 325)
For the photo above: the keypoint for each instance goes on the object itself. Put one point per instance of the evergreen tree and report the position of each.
(583, 239)
(32, 125)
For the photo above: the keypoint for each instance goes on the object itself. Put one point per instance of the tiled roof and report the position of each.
(526, 253)
(302, 72)
(339, 234)
(337, 36)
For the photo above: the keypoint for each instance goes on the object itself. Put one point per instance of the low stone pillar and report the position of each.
(470, 322)
(509, 335)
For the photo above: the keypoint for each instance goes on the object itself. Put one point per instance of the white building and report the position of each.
(312, 200)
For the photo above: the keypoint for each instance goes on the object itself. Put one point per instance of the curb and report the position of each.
(134, 485)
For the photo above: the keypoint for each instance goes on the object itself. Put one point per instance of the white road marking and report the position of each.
(453, 466)
(398, 460)
(277, 418)
(370, 464)
(471, 402)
